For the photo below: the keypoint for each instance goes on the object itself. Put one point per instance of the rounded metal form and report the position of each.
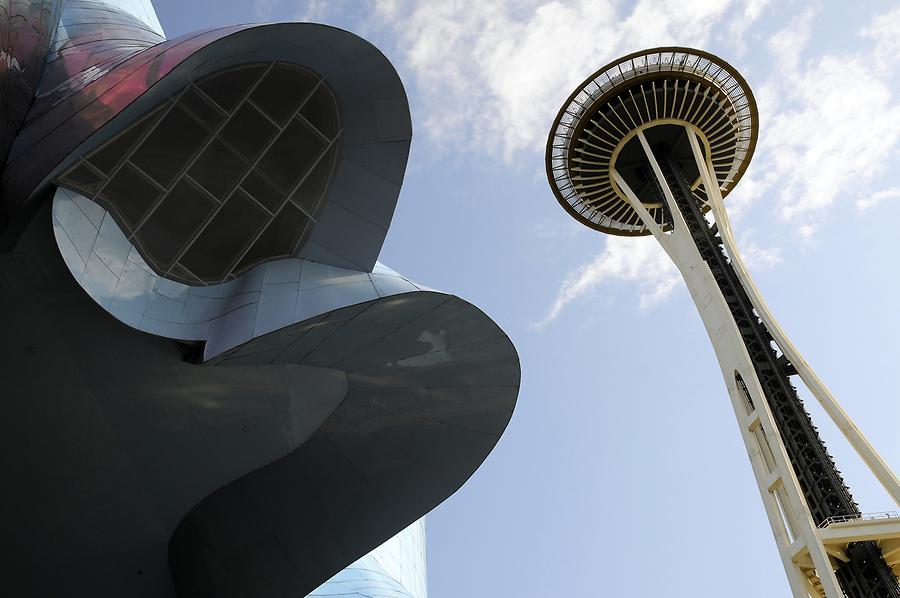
(660, 86)
(227, 173)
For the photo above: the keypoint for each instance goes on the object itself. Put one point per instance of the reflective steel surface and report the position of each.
(26, 30)
(224, 315)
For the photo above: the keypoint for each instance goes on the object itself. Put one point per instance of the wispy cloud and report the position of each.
(315, 10)
(830, 123)
(639, 261)
(884, 30)
(876, 198)
(547, 232)
(742, 20)
(758, 258)
(264, 9)
(493, 74)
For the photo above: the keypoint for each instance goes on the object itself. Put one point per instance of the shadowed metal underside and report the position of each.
(662, 85)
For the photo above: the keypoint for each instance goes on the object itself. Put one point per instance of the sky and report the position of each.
(622, 472)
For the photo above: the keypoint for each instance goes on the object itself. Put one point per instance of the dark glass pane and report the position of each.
(177, 272)
(309, 194)
(291, 155)
(227, 88)
(225, 238)
(200, 109)
(130, 194)
(262, 191)
(174, 223)
(279, 239)
(218, 169)
(170, 146)
(248, 131)
(82, 179)
(321, 111)
(107, 157)
(280, 92)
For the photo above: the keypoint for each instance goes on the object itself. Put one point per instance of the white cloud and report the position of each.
(838, 137)
(757, 257)
(566, 230)
(314, 11)
(828, 124)
(789, 43)
(638, 261)
(264, 9)
(494, 74)
(876, 198)
(885, 31)
(744, 19)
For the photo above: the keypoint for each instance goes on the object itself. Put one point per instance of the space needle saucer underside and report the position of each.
(661, 86)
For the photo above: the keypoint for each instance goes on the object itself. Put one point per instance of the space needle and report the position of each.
(651, 144)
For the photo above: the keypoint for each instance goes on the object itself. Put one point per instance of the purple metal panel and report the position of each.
(26, 30)
(85, 94)
(47, 139)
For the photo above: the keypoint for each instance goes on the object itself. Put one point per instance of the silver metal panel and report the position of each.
(268, 297)
(143, 10)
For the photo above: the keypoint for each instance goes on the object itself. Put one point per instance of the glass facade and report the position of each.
(229, 173)
(396, 569)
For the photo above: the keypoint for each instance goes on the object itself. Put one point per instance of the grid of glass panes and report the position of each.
(230, 172)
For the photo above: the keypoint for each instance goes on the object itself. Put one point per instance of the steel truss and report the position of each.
(802, 489)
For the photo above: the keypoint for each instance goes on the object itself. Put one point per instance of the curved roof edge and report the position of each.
(377, 128)
(270, 296)
(433, 383)
(619, 74)
(397, 566)
(412, 393)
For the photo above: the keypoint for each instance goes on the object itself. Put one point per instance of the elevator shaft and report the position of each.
(865, 574)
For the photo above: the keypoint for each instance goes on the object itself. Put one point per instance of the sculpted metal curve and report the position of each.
(217, 390)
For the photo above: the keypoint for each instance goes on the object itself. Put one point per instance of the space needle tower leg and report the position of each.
(852, 433)
(805, 557)
(780, 492)
(649, 144)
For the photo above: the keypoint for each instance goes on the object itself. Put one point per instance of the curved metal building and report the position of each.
(211, 385)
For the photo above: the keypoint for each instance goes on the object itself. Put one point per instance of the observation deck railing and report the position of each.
(863, 517)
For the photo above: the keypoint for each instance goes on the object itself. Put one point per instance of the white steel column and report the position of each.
(860, 443)
(795, 532)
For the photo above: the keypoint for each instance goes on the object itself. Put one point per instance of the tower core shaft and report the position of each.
(864, 573)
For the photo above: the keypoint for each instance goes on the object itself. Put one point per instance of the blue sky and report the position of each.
(622, 472)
